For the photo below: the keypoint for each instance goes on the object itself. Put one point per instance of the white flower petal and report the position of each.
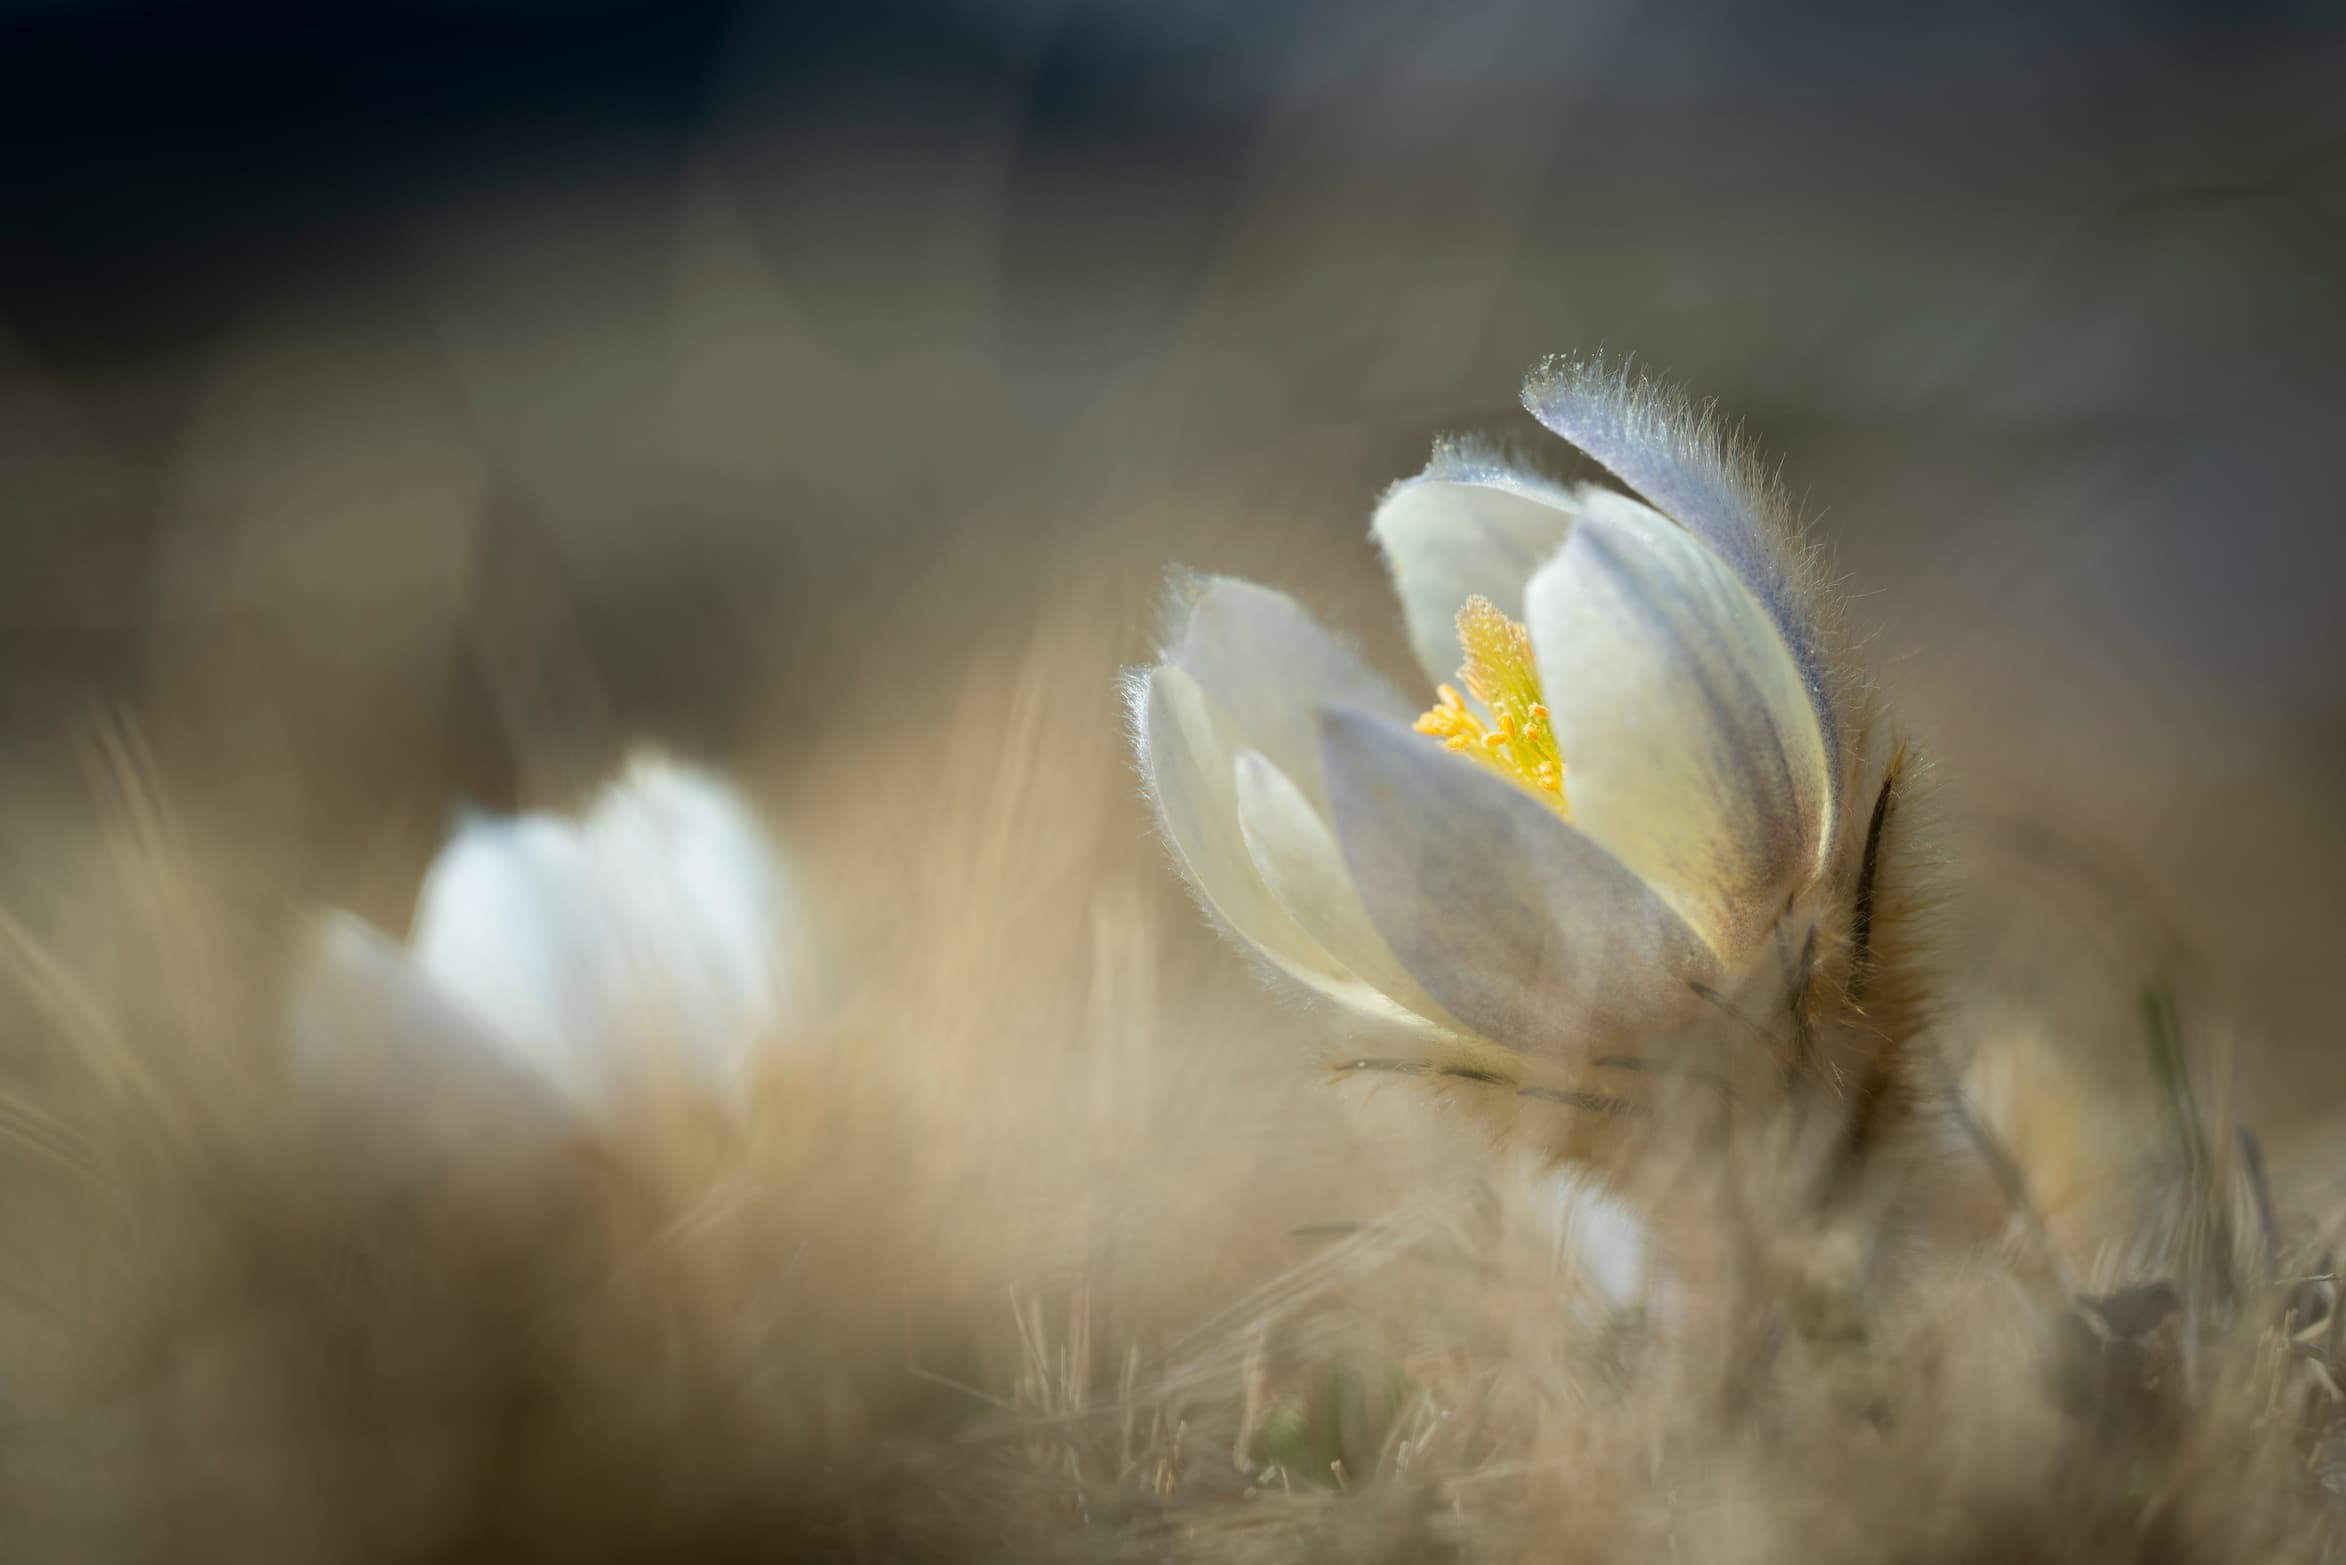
(1598, 1241)
(1304, 870)
(1188, 753)
(1467, 525)
(1269, 669)
(1677, 460)
(707, 909)
(660, 925)
(404, 1079)
(1520, 925)
(510, 924)
(1691, 749)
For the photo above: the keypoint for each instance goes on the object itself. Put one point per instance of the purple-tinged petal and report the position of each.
(1188, 755)
(1679, 463)
(1518, 923)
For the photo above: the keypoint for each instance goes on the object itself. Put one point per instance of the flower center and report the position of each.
(1517, 741)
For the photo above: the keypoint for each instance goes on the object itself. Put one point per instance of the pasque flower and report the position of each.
(1622, 790)
(560, 966)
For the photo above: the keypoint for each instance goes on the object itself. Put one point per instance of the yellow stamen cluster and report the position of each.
(1518, 741)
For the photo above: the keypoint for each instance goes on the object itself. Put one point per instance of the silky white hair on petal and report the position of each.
(1677, 460)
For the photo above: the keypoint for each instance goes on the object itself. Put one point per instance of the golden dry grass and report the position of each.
(1051, 1243)
(1056, 1240)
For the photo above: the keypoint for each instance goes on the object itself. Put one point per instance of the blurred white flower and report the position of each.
(562, 963)
(1597, 1242)
(1636, 779)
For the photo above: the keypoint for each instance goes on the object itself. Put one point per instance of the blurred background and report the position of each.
(406, 405)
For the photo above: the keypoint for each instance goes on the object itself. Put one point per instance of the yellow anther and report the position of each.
(1500, 672)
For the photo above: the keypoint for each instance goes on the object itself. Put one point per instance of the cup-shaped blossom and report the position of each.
(557, 967)
(1621, 773)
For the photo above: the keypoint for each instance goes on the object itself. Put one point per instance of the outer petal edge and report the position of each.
(1187, 752)
(1691, 749)
(1678, 460)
